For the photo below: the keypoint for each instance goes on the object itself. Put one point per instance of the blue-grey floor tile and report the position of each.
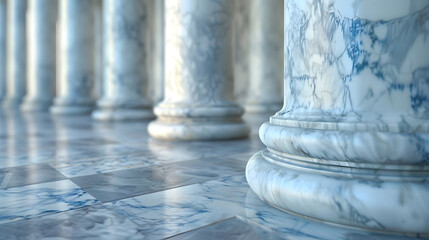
(40, 199)
(174, 211)
(26, 175)
(230, 229)
(133, 182)
(95, 222)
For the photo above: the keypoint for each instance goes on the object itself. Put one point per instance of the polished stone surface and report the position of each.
(198, 102)
(76, 57)
(124, 28)
(351, 143)
(265, 93)
(59, 171)
(16, 53)
(41, 59)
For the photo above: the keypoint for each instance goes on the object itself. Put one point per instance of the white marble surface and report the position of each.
(351, 144)
(124, 38)
(76, 53)
(16, 53)
(265, 93)
(41, 61)
(2, 49)
(198, 74)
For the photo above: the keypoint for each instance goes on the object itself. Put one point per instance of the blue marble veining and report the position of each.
(94, 222)
(29, 174)
(351, 144)
(235, 228)
(137, 181)
(41, 199)
(198, 102)
(215, 189)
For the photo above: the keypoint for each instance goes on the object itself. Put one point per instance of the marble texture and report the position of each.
(26, 175)
(116, 185)
(351, 143)
(265, 93)
(16, 53)
(124, 24)
(76, 57)
(94, 222)
(194, 198)
(231, 229)
(2, 49)
(41, 60)
(198, 74)
(41, 199)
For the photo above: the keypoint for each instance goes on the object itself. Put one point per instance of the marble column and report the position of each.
(155, 49)
(15, 53)
(265, 93)
(241, 48)
(198, 96)
(351, 143)
(124, 65)
(76, 53)
(41, 24)
(2, 49)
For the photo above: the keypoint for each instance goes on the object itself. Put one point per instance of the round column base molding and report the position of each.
(195, 131)
(35, 106)
(11, 103)
(395, 202)
(116, 114)
(70, 110)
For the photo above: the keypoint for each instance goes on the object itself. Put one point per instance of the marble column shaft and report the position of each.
(2, 50)
(76, 53)
(265, 94)
(16, 54)
(241, 50)
(351, 143)
(198, 74)
(125, 61)
(41, 61)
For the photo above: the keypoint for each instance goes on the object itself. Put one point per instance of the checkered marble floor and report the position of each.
(73, 178)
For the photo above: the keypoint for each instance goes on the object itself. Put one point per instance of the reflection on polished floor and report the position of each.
(71, 177)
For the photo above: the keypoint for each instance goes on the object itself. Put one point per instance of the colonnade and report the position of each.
(350, 144)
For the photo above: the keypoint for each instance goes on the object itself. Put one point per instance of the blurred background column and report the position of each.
(154, 89)
(41, 62)
(124, 62)
(241, 49)
(76, 53)
(2, 50)
(16, 54)
(351, 143)
(198, 102)
(265, 89)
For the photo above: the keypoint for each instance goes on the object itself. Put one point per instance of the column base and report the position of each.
(193, 131)
(387, 200)
(70, 110)
(11, 103)
(35, 106)
(113, 114)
